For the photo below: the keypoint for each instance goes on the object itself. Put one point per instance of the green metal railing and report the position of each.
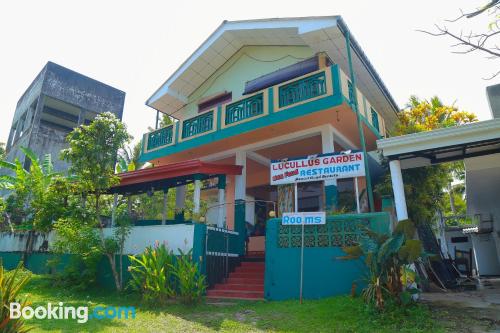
(303, 89)
(244, 109)
(160, 137)
(199, 124)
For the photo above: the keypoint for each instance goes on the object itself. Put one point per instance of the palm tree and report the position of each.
(128, 158)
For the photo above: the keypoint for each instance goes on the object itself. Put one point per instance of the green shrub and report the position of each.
(190, 282)
(160, 275)
(152, 274)
(83, 243)
(11, 284)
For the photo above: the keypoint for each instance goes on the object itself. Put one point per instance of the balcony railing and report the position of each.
(303, 89)
(161, 137)
(200, 124)
(278, 98)
(244, 109)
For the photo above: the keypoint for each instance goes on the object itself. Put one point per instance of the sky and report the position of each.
(136, 45)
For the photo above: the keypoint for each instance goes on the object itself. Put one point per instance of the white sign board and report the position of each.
(305, 218)
(315, 168)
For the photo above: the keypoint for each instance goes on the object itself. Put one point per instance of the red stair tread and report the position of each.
(244, 287)
(238, 280)
(235, 294)
(251, 275)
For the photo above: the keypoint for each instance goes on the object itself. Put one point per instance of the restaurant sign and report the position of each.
(317, 167)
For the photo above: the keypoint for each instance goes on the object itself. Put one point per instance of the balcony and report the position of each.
(320, 90)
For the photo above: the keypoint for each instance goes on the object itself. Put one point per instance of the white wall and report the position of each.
(466, 246)
(179, 236)
(485, 255)
(16, 242)
(483, 193)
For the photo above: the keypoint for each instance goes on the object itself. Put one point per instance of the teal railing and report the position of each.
(244, 109)
(160, 137)
(339, 231)
(197, 125)
(302, 90)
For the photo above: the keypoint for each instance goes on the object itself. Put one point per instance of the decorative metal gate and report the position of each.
(221, 254)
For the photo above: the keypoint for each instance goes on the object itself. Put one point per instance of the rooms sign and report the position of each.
(317, 167)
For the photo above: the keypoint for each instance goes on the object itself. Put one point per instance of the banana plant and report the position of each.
(388, 258)
(42, 171)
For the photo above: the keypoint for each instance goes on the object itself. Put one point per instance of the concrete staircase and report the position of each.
(246, 282)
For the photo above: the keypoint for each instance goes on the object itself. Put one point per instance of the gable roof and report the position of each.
(321, 34)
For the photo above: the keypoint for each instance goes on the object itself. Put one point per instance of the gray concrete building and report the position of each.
(56, 102)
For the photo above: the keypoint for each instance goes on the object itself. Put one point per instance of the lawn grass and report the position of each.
(336, 314)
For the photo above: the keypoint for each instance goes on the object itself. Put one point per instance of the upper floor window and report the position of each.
(375, 122)
(214, 101)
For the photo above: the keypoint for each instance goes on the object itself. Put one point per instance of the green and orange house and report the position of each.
(257, 91)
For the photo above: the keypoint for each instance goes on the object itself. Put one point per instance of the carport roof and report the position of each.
(443, 145)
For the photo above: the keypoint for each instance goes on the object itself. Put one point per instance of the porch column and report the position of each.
(222, 198)
(240, 181)
(197, 196)
(399, 190)
(331, 191)
(239, 200)
(180, 201)
(113, 210)
(165, 205)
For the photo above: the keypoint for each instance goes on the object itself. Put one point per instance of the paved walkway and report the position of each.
(477, 311)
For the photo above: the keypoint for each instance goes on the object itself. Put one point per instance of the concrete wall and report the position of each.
(483, 197)
(325, 274)
(69, 90)
(79, 90)
(176, 237)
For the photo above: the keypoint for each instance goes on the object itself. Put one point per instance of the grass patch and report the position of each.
(336, 314)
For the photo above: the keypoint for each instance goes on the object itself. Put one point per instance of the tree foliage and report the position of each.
(92, 152)
(425, 186)
(92, 155)
(37, 194)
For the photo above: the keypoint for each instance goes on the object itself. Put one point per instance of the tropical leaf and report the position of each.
(31, 155)
(7, 165)
(47, 166)
(7, 182)
(411, 250)
(353, 252)
(405, 227)
(390, 247)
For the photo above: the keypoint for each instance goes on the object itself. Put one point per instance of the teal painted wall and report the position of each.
(324, 274)
(38, 264)
(247, 64)
(199, 242)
